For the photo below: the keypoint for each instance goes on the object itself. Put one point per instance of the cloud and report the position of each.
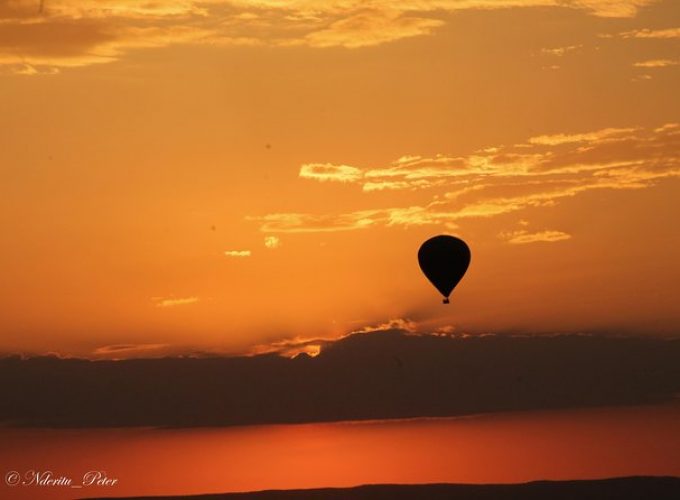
(369, 28)
(560, 51)
(401, 324)
(309, 223)
(652, 33)
(28, 70)
(641, 78)
(386, 185)
(656, 63)
(610, 8)
(272, 242)
(127, 349)
(501, 180)
(668, 127)
(522, 237)
(597, 136)
(174, 302)
(329, 172)
(70, 43)
(237, 253)
(292, 347)
(74, 33)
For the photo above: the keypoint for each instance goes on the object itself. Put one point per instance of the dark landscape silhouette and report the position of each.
(629, 488)
(376, 375)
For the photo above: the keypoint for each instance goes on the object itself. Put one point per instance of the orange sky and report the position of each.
(217, 175)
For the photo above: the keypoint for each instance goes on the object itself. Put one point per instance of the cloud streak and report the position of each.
(522, 237)
(652, 33)
(126, 350)
(559, 51)
(499, 180)
(656, 63)
(237, 253)
(174, 302)
(329, 172)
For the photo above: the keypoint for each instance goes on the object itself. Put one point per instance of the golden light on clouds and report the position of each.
(535, 174)
(74, 33)
(228, 174)
(272, 242)
(560, 51)
(656, 63)
(522, 236)
(119, 351)
(652, 33)
(599, 136)
(371, 27)
(174, 302)
(237, 253)
(328, 172)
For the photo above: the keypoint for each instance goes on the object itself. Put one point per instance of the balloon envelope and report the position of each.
(444, 260)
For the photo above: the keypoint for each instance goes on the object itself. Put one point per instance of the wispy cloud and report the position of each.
(559, 51)
(373, 27)
(237, 253)
(652, 33)
(72, 33)
(501, 180)
(329, 172)
(272, 242)
(522, 236)
(599, 136)
(126, 350)
(174, 302)
(303, 223)
(641, 78)
(656, 63)
(609, 8)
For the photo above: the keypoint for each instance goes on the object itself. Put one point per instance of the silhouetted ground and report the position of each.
(627, 488)
(378, 375)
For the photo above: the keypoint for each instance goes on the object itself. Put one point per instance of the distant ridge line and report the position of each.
(619, 488)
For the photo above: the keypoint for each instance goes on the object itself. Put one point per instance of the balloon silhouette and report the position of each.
(444, 260)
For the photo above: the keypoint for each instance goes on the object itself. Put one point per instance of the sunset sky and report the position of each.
(215, 175)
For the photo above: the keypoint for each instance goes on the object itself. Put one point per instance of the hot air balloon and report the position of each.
(444, 260)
